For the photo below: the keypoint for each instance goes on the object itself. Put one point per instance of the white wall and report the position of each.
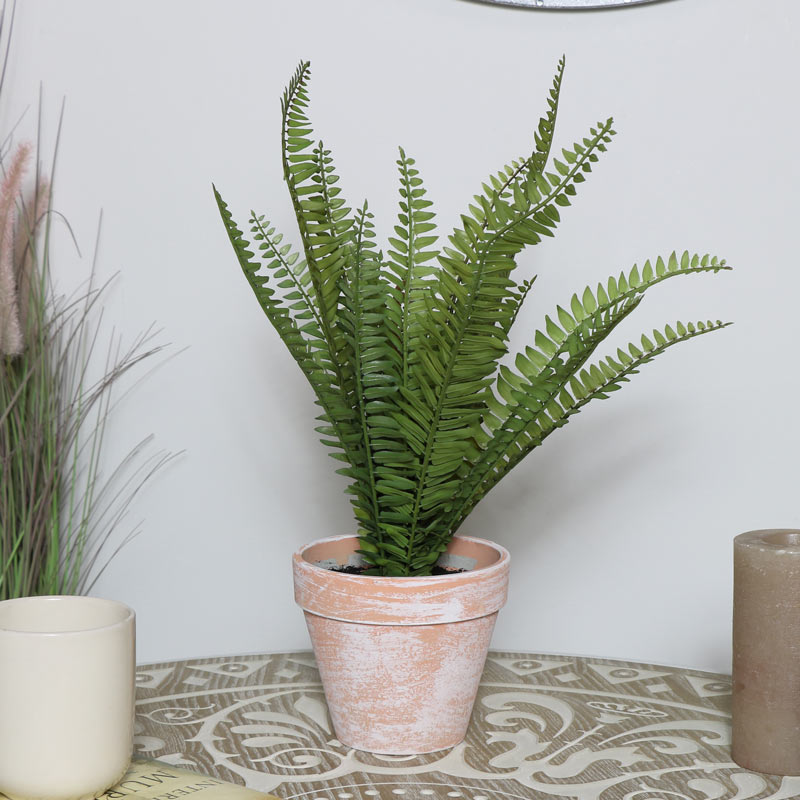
(620, 527)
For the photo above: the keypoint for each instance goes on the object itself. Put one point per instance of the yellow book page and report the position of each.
(155, 780)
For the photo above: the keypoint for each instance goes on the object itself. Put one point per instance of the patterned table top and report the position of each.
(544, 726)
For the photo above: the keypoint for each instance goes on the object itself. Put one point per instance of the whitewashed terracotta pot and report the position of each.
(400, 658)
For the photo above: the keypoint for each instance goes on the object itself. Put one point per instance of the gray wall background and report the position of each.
(620, 527)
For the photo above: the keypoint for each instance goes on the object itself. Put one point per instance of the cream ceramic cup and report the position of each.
(67, 671)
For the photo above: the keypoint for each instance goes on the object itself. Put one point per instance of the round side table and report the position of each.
(544, 726)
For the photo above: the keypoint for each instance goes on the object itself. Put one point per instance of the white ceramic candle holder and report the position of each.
(67, 672)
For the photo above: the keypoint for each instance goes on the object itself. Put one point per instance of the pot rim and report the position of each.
(502, 561)
(413, 600)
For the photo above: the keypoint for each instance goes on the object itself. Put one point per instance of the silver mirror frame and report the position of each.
(570, 5)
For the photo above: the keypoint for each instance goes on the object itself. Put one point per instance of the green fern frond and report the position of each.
(471, 304)
(292, 276)
(327, 223)
(516, 298)
(296, 130)
(276, 310)
(360, 293)
(309, 351)
(543, 137)
(410, 252)
(595, 382)
(321, 214)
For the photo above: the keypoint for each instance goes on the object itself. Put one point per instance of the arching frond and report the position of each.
(531, 393)
(543, 136)
(304, 343)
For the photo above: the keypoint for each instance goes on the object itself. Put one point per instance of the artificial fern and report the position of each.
(403, 350)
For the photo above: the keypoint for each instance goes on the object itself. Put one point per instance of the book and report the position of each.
(147, 779)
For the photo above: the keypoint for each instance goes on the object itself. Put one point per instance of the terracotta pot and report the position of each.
(400, 658)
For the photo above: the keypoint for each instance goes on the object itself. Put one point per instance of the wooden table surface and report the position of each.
(544, 726)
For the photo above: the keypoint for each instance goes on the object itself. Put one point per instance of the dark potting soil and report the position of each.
(351, 570)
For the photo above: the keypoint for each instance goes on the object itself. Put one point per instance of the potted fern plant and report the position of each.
(403, 351)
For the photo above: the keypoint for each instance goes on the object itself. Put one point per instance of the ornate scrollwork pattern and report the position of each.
(544, 727)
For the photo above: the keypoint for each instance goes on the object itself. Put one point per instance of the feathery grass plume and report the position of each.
(58, 511)
(33, 213)
(10, 189)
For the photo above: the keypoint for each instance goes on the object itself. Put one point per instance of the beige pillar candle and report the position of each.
(766, 651)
